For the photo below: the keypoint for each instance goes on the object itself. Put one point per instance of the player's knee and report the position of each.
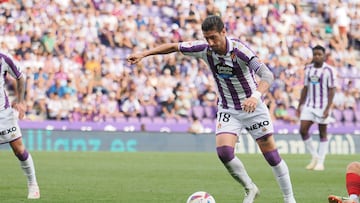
(304, 134)
(353, 167)
(272, 157)
(22, 156)
(225, 153)
(323, 138)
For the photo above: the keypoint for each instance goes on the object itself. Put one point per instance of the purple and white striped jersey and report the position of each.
(234, 77)
(318, 82)
(7, 66)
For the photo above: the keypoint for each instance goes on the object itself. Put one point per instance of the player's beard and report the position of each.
(217, 49)
(318, 63)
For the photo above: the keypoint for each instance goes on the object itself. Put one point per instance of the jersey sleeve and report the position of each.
(243, 52)
(11, 66)
(331, 78)
(306, 76)
(197, 49)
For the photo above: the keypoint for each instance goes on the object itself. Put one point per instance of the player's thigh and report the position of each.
(307, 114)
(305, 126)
(353, 167)
(226, 139)
(314, 115)
(266, 143)
(227, 127)
(9, 127)
(322, 129)
(258, 123)
(319, 116)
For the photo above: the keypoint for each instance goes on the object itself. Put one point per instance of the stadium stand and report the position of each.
(78, 48)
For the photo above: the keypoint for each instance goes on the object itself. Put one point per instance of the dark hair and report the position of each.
(212, 22)
(318, 47)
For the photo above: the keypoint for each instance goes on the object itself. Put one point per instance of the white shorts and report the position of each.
(9, 127)
(314, 115)
(257, 123)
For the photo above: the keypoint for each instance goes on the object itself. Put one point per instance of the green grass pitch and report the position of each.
(162, 177)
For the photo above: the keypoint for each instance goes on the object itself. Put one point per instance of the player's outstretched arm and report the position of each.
(162, 49)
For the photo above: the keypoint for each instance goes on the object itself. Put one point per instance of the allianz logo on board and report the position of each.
(338, 144)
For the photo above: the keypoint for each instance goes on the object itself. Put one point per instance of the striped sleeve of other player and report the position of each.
(332, 81)
(10, 66)
(197, 49)
(306, 75)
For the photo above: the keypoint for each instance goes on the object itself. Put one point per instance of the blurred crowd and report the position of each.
(73, 53)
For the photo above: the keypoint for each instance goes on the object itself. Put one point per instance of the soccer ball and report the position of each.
(200, 197)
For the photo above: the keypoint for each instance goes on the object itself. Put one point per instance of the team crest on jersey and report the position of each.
(314, 79)
(13, 135)
(209, 52)
(219, 126)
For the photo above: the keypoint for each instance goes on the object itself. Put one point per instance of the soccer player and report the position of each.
(234, 66)
(9, 115)
(352, 185)
(315, 105)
